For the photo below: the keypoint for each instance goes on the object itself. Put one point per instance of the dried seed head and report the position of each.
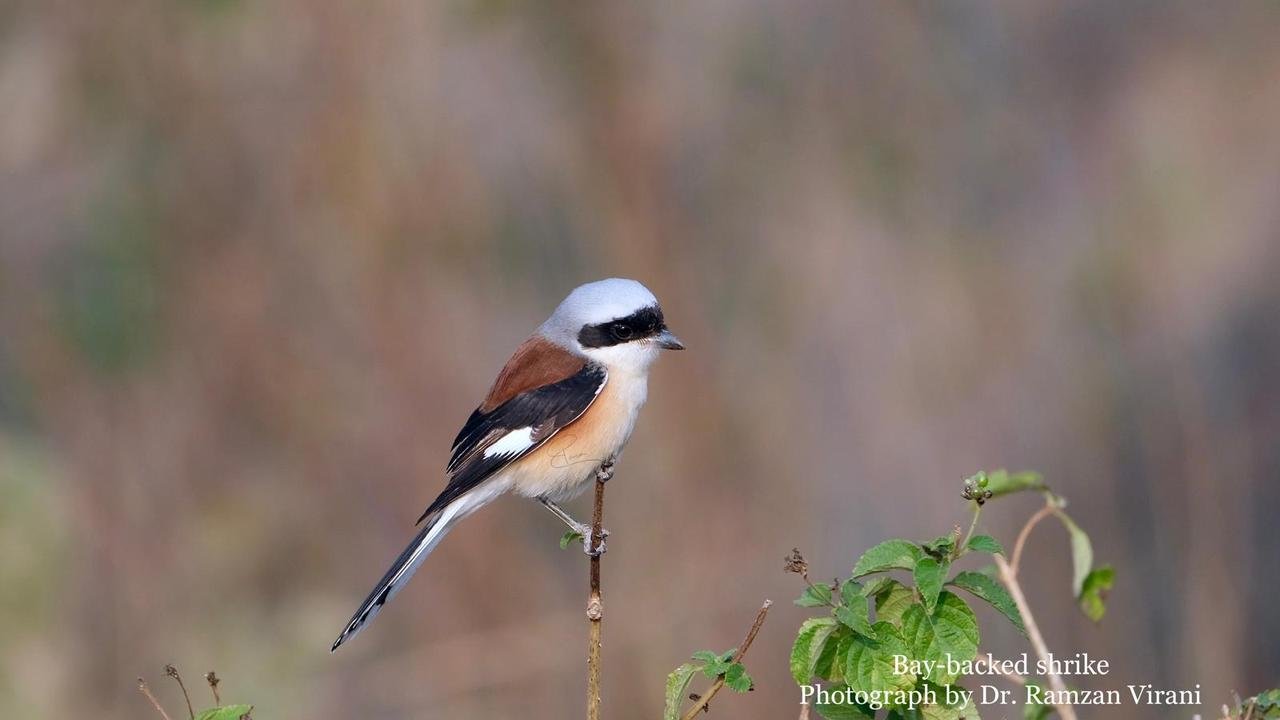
(795, 563)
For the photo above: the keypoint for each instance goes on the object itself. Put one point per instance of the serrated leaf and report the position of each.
(1266, 699)
(815, 596)
(991, 591)
(1093, 595)
(941, 711)
(851, 593)
(876, 586)
(940, 546)
(737, 679)
(716, 668)
(1003, 482)
(226, 712)
(929, 574)
(869, 663)
(570, 536)
(808, 647)
(705, 656)
(677, 683)
(950, 631)
(830, 664)
(889, 555)
(1265, 705)
(892, 601)
(986, 544)
(843, 711)
(1081, 553)
(855, 618)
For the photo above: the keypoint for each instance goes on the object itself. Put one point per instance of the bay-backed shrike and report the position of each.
(561, 409)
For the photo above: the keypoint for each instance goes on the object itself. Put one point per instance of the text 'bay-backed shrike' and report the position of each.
(561, 408)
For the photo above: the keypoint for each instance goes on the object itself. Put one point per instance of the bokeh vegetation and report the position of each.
(259, 260)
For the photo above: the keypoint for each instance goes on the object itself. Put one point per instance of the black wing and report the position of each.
(538, 413)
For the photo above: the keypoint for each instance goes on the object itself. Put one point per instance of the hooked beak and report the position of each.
(667, 341)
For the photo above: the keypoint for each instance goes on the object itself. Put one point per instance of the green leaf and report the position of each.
(876, 586)
(737, 679)
(815, 596)
(855, 618)
(1081, 553)
(991, 591)
(830, 664)
(893, 601)
(940, 547)
(869, 663)
(705, 656)
(889, 555)
(1093, 595)
(950, 631)
(843, 711)
(1036, 710)
(571, 536)
(941, 711)
(718, 664)
(1003, 482)
(1266, 700)
(1266, 705)
(929, 574)
(677, 683)
(851, 593)
(986, 544)
(808, 647)
(226, 712)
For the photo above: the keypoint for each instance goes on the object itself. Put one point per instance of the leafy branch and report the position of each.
(886, 644)
(725, 669)
(217, 712)
(1263, 706)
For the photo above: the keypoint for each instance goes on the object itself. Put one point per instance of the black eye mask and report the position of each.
(643, 323)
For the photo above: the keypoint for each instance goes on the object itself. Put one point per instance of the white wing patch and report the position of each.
(513, 443)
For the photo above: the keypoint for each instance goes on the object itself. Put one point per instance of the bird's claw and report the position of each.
(587, 544)
(604, 473)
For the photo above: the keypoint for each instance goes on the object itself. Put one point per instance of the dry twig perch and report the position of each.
(595, 603)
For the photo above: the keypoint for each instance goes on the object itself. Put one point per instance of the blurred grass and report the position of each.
(259, 260)
(34, 551)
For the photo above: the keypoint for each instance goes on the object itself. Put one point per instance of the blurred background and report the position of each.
(259, 260)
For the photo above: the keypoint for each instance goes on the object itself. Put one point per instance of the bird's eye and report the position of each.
(623, 331)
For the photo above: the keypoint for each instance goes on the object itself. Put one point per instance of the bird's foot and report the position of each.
(604, 473)
(587, 544)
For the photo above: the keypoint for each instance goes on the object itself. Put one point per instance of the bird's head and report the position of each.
(616, 322)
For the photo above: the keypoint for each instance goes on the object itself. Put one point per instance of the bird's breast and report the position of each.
(561, 467)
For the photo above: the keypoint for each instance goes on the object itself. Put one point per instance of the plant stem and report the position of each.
(172, 672)
(146, 691)
(211, 677)
(1012, 677)
(977, 510)
(595, 604)
(1016, 559)
(1009, 576)
(705, 699)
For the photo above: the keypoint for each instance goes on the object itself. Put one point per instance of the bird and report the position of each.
(559, 412)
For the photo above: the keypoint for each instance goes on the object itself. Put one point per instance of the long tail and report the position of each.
(434, 528)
